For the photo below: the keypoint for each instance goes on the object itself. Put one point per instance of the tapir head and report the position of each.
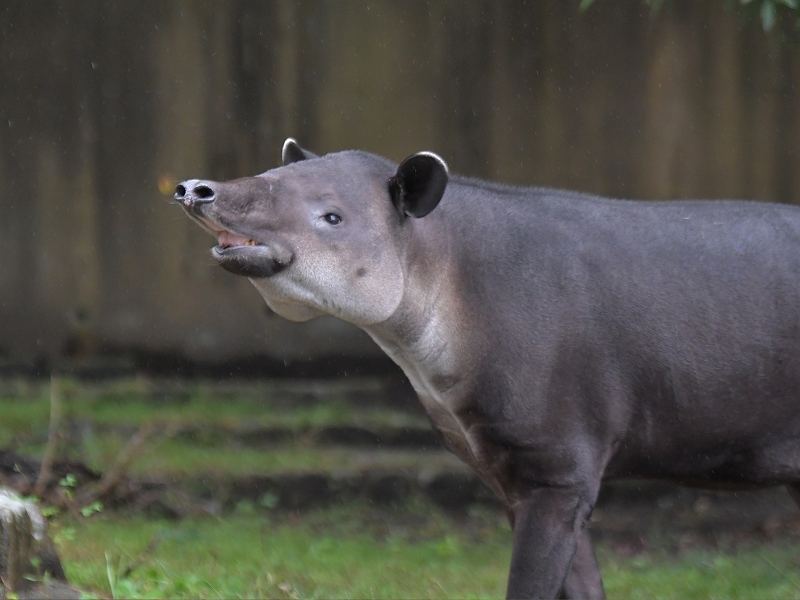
(320, 235)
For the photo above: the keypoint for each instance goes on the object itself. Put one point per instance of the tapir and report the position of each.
(556, 339)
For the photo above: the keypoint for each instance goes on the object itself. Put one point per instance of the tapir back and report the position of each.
(677, 323)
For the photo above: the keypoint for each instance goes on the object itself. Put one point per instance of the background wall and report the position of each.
(103, 103)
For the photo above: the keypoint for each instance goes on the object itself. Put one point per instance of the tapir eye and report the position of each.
(332, 219)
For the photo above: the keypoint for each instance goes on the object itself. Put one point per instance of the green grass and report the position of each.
(127, 404)
(767, 572)
(25, 414)
(326, 555)
(357, 552)
(238, 412)
(177, 458)
(345, 551)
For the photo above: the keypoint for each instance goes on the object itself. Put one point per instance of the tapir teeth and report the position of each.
(228, 239)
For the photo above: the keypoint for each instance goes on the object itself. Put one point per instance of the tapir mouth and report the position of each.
(245, 256)
(228, 239)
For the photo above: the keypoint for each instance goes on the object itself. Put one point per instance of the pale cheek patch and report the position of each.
(367, 295)
(362, 290)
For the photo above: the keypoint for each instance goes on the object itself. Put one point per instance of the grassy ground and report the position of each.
(312, 557)
(26, 409)
(358, 552)
(347, 551)
(763, 572)
(106, 418)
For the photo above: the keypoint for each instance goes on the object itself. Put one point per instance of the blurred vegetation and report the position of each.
(770, 12)
(208, 429)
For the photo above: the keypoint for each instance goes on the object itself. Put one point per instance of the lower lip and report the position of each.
(221, 248)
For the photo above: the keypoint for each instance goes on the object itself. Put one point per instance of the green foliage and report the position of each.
(356, 552)
(770, 12)
(90, 509)
(113, 573)
(68, 481)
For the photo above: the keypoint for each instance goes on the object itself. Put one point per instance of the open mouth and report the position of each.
(228, 239)
(245, 256)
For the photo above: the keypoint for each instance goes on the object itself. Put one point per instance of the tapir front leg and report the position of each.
(549, 524)
(583, 579)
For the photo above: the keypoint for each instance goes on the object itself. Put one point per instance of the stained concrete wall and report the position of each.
(102, 102)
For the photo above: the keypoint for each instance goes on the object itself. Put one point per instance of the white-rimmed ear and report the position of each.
(419, 184)
(292, 152)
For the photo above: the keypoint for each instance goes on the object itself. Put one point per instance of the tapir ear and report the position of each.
(292, 152)
(419, 184)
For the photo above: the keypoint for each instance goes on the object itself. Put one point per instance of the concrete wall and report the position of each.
(102, 103)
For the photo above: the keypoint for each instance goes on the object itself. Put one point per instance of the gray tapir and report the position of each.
(556, 339)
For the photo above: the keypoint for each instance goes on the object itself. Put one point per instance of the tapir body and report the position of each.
(556, 339)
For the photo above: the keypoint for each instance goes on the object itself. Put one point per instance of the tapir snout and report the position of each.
(243, 253)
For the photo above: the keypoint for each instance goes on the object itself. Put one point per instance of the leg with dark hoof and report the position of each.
(549, 525)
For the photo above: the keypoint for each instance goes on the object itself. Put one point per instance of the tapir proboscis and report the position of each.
(556, 339)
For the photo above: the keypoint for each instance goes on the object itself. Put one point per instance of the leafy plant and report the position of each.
(770, 12)
(92, 508)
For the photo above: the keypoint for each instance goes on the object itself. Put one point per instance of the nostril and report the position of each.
(204, 192)
(193, 192)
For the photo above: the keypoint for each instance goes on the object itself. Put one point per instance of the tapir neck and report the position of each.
(424, 334)
(428, 337)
